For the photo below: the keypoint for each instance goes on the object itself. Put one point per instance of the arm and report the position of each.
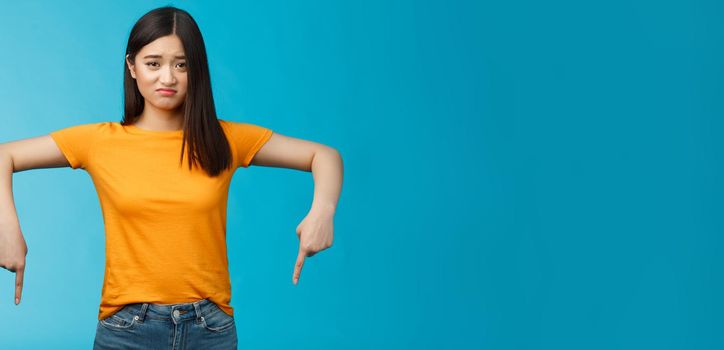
(315, 232)
(15, 156)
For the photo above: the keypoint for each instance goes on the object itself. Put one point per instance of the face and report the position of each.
(161, 65)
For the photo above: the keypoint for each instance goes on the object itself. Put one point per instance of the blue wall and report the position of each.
(518, 175)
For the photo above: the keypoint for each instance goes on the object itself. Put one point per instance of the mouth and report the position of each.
(166, 92)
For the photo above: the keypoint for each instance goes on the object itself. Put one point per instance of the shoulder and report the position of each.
(86, 129)
(236, 124)
(86, 134)
(230, 125)
(235, 127)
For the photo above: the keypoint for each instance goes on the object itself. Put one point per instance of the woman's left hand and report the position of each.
(315, 234)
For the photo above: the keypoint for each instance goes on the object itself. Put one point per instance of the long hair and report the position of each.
(207, 143)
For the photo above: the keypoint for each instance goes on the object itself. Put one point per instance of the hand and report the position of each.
(12, 256)
(315, 234)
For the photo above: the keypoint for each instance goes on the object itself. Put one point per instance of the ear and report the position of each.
(131, 67)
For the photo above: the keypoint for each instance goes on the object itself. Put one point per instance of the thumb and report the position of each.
(298, 266)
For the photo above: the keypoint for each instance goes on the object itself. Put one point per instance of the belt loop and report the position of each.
(197, 309)
(142, 313)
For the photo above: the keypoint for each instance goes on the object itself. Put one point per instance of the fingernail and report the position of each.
(17, 301)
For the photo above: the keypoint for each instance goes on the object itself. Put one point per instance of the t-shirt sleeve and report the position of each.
(76, 142)
(247, 139)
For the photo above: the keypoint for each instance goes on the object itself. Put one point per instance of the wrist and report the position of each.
(9, 222)
(323, 208)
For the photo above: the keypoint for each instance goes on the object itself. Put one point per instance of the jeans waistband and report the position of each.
(176, 312)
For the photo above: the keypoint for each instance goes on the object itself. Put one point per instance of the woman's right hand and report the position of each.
(20, 155)
(12, 255)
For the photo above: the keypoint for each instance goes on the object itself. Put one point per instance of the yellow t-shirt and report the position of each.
(165, 224)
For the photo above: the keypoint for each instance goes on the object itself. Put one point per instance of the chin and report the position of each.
(168, 106)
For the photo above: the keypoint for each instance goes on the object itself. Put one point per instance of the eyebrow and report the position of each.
(159, 56)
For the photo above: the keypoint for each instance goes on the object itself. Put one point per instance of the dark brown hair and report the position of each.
(205, 137)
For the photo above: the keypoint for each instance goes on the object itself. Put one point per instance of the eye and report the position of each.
(183, 64)
(150, 63)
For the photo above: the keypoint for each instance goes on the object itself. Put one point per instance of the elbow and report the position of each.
(335, 153)
(324, 151)
(7, 157)
(331, 151)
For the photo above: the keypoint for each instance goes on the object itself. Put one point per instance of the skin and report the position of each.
(168, 70)
(163, 113)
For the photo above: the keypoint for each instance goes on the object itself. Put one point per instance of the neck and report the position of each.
(160, 119)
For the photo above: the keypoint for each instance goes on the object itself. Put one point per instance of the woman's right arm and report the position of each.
(31, 153)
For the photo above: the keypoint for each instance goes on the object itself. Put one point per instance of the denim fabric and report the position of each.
(189, 326)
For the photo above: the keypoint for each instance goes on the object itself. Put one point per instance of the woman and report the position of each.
(162, 175)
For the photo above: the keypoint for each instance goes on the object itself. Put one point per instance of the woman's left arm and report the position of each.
(315, 232)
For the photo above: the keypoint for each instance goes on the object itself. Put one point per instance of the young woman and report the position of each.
(162, 175)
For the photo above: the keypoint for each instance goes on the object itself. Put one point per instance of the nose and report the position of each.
(167, 77)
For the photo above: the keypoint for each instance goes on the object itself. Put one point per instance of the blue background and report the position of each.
(518, 174)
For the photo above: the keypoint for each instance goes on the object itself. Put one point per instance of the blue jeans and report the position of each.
(198, 325)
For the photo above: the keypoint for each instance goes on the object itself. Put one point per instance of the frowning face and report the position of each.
(160, 72)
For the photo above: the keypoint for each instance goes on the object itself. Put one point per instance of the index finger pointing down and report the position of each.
(298, 266)
(19, 284)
